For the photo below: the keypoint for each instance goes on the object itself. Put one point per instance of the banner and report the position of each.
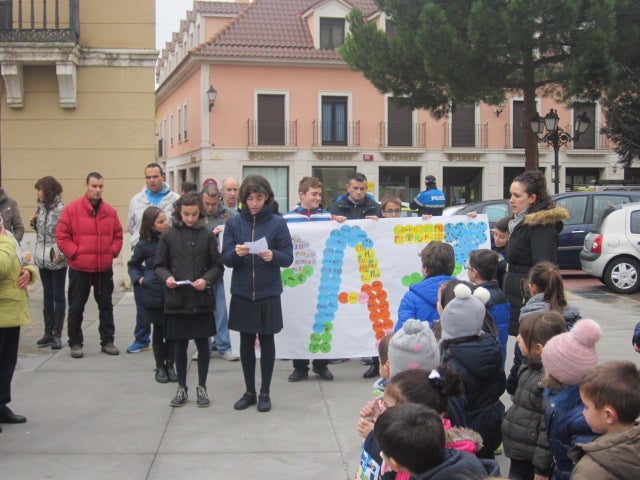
(342, 292)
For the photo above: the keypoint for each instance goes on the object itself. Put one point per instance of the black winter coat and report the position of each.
(141, 266)
(533, 240)
(523, 431)
(253, 278)
(188, 253)
(353, 211)
(479, 360)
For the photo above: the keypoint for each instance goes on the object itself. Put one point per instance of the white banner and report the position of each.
(342, 292)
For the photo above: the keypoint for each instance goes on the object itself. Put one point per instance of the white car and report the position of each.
(611, 251)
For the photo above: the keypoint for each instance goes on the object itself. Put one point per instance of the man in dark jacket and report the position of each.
(357, 204)
(11, 215)
(89, 235)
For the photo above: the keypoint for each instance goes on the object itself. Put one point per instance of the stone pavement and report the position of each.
(105, 418)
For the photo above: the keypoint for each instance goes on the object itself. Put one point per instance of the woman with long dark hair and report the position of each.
(50, 260)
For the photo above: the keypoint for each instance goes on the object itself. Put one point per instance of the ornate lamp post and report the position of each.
(556, 136)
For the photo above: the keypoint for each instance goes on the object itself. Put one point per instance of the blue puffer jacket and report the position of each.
(421, 301)
(566, 426)
(479, 360)
(141, 266)
(636, 335)
(252, 277)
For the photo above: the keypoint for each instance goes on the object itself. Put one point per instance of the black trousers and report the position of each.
(304, 364)
(80, 284)
(9, 341)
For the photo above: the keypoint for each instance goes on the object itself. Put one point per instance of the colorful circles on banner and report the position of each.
(412, 279)
(290, 278)
(321, 342)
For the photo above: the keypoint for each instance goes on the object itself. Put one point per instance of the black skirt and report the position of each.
(261, 316)
(155, 316)
(186, 327)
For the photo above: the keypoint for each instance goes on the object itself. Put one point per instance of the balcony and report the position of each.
(403, 135)
(37, 22)
(272, 136)
(465, 135)
(335, 140)
(37, 32)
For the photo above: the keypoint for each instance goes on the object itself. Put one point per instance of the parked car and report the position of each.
(585, 209)
(611, 251)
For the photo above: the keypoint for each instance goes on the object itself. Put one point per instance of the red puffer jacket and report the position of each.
(89, 241)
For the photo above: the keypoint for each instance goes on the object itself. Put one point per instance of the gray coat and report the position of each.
(45, 226)
(11, 215)
(523, 431)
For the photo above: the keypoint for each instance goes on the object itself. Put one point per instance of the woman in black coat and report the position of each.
(256, 286)
(188, 262)
(534, 236)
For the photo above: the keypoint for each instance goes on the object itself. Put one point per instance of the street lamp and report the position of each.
(212, 93)
(556, 136)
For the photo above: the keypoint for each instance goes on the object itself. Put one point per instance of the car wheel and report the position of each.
(622, 275)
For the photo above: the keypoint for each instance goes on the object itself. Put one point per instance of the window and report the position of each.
(331, 33)
(577, 206)
(463, 126)
(171, 129)
(517, 138)
(334, 120)
(179, 124)
(588, 139)
(278, 178)
(271, 119)
(184, 121)
(635, 221)
(399, 126)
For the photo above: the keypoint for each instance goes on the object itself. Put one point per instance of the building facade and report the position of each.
(77, 96)
(288, 106)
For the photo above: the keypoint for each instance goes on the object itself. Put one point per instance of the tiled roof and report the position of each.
(273, 29)
(220, 8)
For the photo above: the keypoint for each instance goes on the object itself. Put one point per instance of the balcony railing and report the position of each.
(272, 133)
(402, 134)
(591, 140)
(40, 21)
(466, 135)
(335, 133)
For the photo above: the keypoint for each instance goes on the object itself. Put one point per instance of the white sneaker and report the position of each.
(229, 356)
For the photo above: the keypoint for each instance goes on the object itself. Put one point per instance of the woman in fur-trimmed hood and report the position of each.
(534, 227)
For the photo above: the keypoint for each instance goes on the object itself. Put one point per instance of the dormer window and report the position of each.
(331, 33)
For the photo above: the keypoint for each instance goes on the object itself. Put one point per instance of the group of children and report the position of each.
(437, 411)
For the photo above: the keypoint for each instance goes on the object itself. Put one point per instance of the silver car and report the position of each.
(611, 251)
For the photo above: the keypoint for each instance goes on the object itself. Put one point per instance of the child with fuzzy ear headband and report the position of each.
(477, 355)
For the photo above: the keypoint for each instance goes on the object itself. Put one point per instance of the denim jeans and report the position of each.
(222, 342)
(142, 331)
(80, 284)
(53, 282)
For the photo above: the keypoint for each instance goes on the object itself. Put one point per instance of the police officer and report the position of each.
(430, 201)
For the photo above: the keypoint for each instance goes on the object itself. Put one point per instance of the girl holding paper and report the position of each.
(255, 308)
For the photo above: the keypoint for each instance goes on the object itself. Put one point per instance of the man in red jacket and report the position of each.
(90, 236)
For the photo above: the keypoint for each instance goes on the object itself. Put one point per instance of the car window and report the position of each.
(635, 221)
(496, 212)
(601, 202)
(577, 206)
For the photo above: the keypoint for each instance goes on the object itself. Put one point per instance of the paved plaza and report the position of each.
(105, 418)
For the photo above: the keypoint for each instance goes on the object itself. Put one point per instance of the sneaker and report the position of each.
(136, 347)
(45, 341)
(323, 373)
(76, 351)
(202, 399)
(264, 403)
(245, 401)
(228, 356)
(56, 343)
(161, 375)
(298, 375)
(181, 397)
(110, 349)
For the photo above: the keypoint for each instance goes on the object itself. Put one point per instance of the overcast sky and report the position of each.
(168, 16)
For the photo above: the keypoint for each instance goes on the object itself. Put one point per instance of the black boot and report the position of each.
(171, 355)
(374, 371)
(46, 339)
(58, 323)
(161, 372)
